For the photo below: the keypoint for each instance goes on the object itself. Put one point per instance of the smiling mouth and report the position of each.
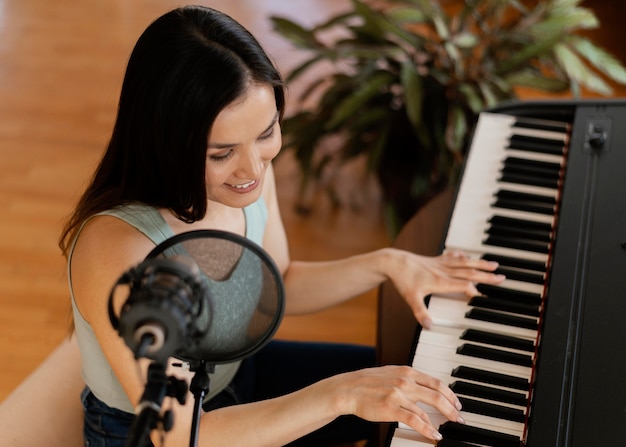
(243, 185)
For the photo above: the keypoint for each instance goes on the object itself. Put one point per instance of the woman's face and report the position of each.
(244, 139)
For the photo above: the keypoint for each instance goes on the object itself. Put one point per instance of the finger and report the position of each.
(476, 276)
(421, 312)
(416, 418)
(459, 259)
(440, 395)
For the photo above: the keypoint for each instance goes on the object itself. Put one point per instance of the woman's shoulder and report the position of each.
(105, 234)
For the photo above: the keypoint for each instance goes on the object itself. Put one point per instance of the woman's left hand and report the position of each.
(417, 276)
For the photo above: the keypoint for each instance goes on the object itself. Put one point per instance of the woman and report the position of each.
(198, 126)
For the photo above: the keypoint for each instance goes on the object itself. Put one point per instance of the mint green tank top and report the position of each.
(96, 370)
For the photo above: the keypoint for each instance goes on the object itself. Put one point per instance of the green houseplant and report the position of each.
(409, 78)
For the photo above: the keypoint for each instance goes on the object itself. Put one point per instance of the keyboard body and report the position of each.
(560, 327)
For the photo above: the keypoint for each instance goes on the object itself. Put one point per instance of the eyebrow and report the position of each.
(228, 145)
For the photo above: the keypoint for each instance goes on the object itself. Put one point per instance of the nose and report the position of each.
(251, 164)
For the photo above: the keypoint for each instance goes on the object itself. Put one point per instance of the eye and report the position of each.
(268, 133)
(221, 155)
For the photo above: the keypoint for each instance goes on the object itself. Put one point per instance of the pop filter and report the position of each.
(238, 310)
(205, 297)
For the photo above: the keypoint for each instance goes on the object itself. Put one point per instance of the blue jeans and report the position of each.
(104, 426)
(278, 368)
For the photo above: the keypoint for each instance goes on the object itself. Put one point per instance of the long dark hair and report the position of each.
(185, 68)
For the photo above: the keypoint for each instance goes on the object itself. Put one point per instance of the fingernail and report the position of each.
(458, 405)
(493, 264)
(500, 277)
(437, 436)
(427, 323)
(460, 420)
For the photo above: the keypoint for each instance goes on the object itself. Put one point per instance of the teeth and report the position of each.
(245, 185)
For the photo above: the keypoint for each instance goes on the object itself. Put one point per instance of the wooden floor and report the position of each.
(61, 66)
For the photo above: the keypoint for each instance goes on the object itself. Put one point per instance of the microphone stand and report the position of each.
(148, 411)
(199, 387)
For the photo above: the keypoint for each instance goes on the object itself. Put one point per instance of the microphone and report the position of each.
(168, 307)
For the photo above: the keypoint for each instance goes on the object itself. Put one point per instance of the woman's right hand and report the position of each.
(391, 394)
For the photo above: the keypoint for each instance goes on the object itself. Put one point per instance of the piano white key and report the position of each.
(517, 187)
(427, 351)
(522, 286)
(451, 338)
(534, 156)
(479, 254)
(538, 133)
(445, 311)
(478, 246)
(474, 420)
(406, 437)
(446, 377)
(441, 367)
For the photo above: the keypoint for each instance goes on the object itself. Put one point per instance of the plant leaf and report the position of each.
(525, 54)
(297, 71)
(601, 59)
(565, 21)
(350, 105)
(413, 92)
(490, 97)
(577, 71)
(338, 20)
(456, 129)
(534, 79)
(473, 99)
(379, 24)
(406, 15)
(299, 36)
(465, 39)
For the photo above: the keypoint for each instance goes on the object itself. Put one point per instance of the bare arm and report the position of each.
(313, 286)
(379, 394)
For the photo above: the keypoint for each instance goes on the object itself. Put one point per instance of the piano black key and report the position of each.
(518, 233)
(531, 207)
(502, 318)
(525, 196)
(490, 377)
(530, 170)
(535, 144)
(506, 341)
(481, 436)
(529, 179)
(553, 126)
(509, 261)
(522, 226)
(522, 201)
(490, 393)
(520, 223)
(541, 166)
(536, 247)
(492, 410)
(517, 275)
(514, 307)
(494, 291)
(499, 355)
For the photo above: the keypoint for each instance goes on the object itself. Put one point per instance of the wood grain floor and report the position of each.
(61, 66)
